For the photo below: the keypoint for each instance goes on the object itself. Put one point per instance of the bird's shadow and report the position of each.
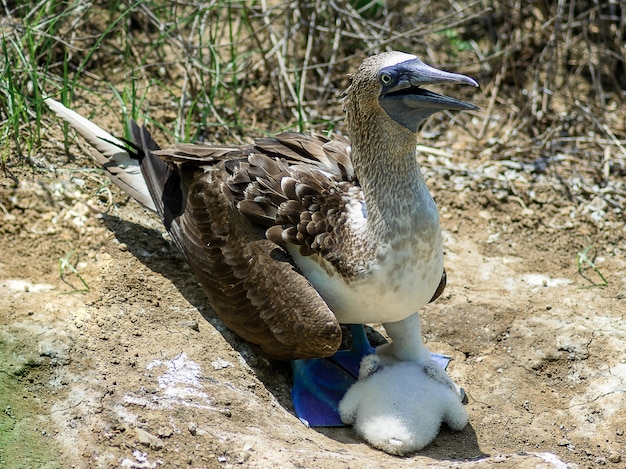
(145, 243)
(160, 255)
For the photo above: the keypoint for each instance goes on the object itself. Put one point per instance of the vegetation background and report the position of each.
(552, 72)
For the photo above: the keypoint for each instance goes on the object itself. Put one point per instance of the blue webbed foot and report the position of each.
(320, 383)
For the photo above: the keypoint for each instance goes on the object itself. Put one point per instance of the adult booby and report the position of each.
(293, 235)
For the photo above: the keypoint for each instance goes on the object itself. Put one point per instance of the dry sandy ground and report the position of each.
(136, 373)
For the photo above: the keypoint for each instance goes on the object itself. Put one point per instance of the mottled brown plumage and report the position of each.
(232, 196)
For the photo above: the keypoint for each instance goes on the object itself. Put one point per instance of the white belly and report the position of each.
(393, 290)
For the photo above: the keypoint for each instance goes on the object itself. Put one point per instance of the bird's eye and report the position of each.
(385, 78)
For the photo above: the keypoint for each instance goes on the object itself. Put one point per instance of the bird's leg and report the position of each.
(407, 344)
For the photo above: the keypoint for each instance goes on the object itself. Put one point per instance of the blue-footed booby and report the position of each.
(293, 235)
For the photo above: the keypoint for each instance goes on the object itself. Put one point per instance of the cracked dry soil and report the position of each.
(136, 372)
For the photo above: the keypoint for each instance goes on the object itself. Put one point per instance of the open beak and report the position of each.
(407, 102)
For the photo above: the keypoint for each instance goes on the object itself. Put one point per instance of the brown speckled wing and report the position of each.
(297, 186)
(251, 282)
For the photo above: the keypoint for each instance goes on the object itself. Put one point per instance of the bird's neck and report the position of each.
(385, 161)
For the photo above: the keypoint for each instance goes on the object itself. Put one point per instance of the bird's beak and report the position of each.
(409, 104)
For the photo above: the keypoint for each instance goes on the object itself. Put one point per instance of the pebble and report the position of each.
(192, 428)
(148, 439)
(191, 324)
(164, 432)
(220, 364)
(615, 457)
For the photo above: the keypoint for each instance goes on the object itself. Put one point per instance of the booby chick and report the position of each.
(292, 235)
(398, 406)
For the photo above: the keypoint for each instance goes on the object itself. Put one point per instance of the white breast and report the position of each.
(394, 289)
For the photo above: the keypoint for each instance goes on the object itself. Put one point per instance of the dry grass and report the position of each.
(552, 75)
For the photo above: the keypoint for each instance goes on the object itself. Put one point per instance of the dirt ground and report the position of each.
(137, 373)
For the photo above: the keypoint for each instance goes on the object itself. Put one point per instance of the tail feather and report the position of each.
(162, 179)
(123, 170)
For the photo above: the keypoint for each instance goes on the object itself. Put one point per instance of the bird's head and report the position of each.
(394, 82)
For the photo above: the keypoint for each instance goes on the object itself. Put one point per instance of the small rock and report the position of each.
(615, 457)
(191, 324)
(192, 428)
(164, 432)
(563, 442)
(148, 439)
(220, 364)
